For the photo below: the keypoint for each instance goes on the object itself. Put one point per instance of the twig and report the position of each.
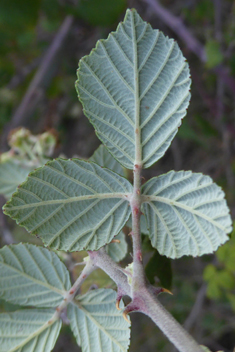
(35, 89)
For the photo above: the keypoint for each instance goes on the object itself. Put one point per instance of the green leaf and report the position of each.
(32, 276)
(213, 53)
(72, 204)
(11, 175)
(28, 331)
(103, 158)
(186, 214)
(96, 323)
(134, 87)
(160, 267)
(118, 251)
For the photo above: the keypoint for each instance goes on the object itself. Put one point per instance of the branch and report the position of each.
(146, 302)
(169, 326)
(177, 25)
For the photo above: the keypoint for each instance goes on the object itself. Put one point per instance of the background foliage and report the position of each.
(41, 43)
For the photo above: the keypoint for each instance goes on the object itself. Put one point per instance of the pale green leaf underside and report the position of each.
(96, 323)
(135, 81)
(118, 251)
(11, 175)
(28, 331)
(103, 158)
(72, 204)
(32, 276)
(186, 214)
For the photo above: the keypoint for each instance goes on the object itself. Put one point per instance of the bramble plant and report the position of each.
(135, 89)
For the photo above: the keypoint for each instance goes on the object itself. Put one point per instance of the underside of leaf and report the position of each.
(28, 331)
(72, 204)
(32, 276)
(186, 214)
(96, 323)
(134, 87)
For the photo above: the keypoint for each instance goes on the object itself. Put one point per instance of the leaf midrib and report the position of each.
(100, 327)
(34, 334)
(69, 200)
(41, 283)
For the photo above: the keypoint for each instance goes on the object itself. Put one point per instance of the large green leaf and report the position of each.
(186, 213)
(103, 158)
(11, 175)
(32, 276)
(72, 204)
(96, 323)
(28, 331)
(134, 87)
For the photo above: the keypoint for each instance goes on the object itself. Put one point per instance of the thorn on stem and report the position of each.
(124, 314)
(117, 304)
(158, 290)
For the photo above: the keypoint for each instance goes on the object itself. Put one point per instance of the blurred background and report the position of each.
(41, 42)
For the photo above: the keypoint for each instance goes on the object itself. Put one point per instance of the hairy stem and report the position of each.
(169, 326)
(69, 296)
(138, 279)
(102, 260)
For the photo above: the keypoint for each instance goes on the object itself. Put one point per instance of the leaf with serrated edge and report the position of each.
(72, 204)
(32, 276)
(186, 213)
(11, 175)
(96, 323)
(103, 158)
(134, 87)
(28, 331)
(118, 251)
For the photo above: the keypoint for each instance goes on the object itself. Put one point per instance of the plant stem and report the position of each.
(138, 279)
(102, 260)
(147, 303)
(169, 326)
(69, 296)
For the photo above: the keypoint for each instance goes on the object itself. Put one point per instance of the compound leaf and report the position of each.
(11, 175)
(134, 87)
(32, 276)
(96, 323)
(72, 204)
(186, 214)
(28, 331)
(103, 158)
